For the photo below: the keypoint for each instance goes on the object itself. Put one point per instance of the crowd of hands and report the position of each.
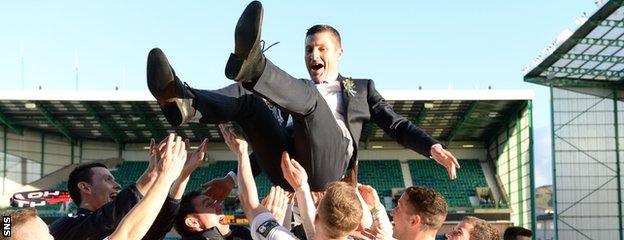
(173, 162)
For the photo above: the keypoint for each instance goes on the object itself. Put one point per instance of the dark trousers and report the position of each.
(317, 142)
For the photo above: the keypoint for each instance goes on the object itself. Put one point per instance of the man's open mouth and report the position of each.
(113, 195)
(316, 66)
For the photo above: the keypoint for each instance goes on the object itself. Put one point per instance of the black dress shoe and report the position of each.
(174, 98)
(246, 64)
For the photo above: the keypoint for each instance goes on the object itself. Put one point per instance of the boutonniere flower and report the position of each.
(348, 87)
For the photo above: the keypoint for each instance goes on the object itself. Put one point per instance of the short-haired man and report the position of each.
(101, 204)
(339, 213)
(26, 225)
(419, 214)
(473, 228)
(200, 217)
(517, 233)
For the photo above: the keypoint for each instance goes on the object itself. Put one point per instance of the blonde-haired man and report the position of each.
(25, 224)
(473, 228)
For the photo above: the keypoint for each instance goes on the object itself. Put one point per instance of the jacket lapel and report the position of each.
(345, 98)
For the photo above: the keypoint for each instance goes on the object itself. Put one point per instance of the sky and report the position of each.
(399, 44)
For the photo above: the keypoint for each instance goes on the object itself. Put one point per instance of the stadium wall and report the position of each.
(587, 181)
(31, 155)
(512, 152)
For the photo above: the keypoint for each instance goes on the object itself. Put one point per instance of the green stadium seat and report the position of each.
(456, 192)
(383, 175)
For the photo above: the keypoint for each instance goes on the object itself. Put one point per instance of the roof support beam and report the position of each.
(608, 23)
(584, 71)
(107, 128)
(588, 57)
(421, 116)
(139, 111)
(195, 127)
(572, 82)
(600, 42)
(62, 129)
(461, 121)
(6, 122)
(369, 131)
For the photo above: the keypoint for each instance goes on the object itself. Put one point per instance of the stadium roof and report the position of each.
(591, 56)
(135, 117)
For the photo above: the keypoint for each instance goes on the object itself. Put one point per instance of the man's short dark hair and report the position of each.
(81, 173)
(186, 208)
(428, 204)
(512, 232)
(324, 28)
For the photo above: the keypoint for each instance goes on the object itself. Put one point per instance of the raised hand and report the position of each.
(173, 157)
(316, 197)
(277, 202)
(293, 171)
(446, 159)
(194, 158)
(154, 152)
(369, 194)
(236, 143)
(219, 188)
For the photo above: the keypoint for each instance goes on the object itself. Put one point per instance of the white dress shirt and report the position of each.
(332, 93)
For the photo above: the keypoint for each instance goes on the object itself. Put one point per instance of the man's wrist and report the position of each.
(232, 178)
(303, 187)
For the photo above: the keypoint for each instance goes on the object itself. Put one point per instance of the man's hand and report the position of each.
(194, 158)
(293, 172)
(366, 233)
(173, 157)
(154, 153)
(219, 188)
(316, 197)
(369, 194)
(277, 202)
(446, 159)
(234, 141)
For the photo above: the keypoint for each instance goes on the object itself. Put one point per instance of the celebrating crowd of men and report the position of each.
(318, 122)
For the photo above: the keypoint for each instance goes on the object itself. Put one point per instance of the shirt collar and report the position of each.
(84, 211)
(332, 79)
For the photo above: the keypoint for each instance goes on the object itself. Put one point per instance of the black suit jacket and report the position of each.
(368, 105)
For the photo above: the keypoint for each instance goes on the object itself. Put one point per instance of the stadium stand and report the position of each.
(383, 175)
(456, 192)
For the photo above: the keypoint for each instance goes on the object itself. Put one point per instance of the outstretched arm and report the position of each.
(219, 188)
(145, 181)
(247, 191)
(297, 177)
(262, 222)
(406, 133)
(136, 224)
(381, 223)
(193, 161)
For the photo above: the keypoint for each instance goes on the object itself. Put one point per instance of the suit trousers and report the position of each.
(319, 144)
(265, 135)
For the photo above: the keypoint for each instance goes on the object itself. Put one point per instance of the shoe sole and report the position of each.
(237, 63)
(172, 113)
(159, 74)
